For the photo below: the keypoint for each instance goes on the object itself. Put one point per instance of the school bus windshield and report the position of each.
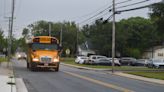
(43, 46)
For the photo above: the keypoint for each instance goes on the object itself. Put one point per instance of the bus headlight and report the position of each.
(56, 60)
(19, 56)
(35, 59)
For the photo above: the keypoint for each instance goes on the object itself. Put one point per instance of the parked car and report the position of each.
(141, 62)
(81, 59)
(21, 55)
(156, 63)
(102, 61)
(93, 59)
(116, 61)
(128, 61)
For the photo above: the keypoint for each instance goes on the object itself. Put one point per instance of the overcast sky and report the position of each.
(30, 11)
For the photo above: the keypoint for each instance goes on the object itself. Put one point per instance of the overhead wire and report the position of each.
(93, 20)
(123, 2)
(133, 4)
(103, 11)
(141, 7)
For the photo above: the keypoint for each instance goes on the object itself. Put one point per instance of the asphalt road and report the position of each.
(70, 79)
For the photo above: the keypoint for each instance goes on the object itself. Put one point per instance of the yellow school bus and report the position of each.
(43, 52)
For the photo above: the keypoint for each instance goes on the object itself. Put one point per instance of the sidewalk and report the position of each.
(7, 80)
(158, 81)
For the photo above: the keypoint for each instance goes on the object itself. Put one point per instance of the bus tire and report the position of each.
(32, 66)
(57, 68)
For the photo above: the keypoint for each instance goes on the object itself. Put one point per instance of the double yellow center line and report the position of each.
(99, 82)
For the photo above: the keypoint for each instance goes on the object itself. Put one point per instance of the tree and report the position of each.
(135, 33)
(100, 36)
(133, 36)
(25, 32)
(157, 16)
(69, 31)
(3, 41)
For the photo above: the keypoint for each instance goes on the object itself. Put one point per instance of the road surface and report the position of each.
(70, 79)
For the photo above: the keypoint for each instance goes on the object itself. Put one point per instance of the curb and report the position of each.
(157, 81)
(20, 85)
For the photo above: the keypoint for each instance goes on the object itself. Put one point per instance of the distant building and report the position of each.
(85, 49)
(155, 52)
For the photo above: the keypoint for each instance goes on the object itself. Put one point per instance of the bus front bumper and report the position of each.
(47, 65)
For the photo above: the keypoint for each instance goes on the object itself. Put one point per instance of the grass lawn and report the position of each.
(156, 75)
(71, 61)
(2, 59)
(150, 74)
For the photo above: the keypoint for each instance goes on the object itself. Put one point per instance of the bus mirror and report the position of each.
(60, 48)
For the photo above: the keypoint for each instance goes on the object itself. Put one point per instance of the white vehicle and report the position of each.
(156, 63)
(94, 59)
(81, 59)
(116, 61)
(21, 55)
(103, 61)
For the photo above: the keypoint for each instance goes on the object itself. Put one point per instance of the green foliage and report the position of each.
(25, 32)
(2, 59)
(69, 33)
(135, 32)
(156, 75)
(157, 17)
(133, 36)
(3, 41)
(100, 37)
(134, 52)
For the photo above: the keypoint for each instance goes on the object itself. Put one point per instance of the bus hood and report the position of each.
(40, 53)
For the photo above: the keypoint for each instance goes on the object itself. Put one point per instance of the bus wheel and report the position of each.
(32, 66)
(57, 68)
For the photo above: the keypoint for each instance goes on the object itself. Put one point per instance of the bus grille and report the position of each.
(46, 59)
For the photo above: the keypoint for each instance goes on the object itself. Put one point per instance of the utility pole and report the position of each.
(77, 40)
(61, 35)
(12, 16)
(49, 23)
(11, 19)
(113, 37)
(9, 41)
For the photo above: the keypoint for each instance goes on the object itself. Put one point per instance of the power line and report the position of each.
(137, 8)
(103, 11)
(92, 18)
(86, 15)
(123, 2)
(133, 4)
(109, 18)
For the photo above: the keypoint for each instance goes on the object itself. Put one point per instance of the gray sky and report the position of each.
(30, 11)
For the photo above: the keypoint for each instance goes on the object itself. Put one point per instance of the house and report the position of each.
(155, 52)
(85, 49)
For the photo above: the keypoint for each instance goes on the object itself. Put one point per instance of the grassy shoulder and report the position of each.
(124, 68)
(140, 71)
(3, 59)
(155, 75)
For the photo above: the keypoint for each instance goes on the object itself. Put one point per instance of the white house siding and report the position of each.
(159, 53)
